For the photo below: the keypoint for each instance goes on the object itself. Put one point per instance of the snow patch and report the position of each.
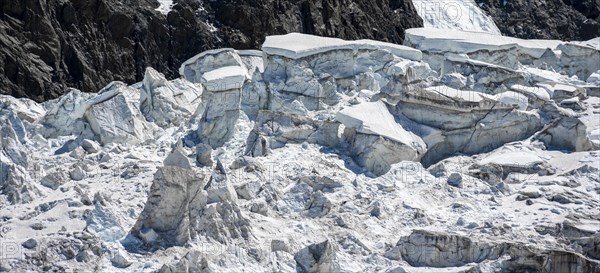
(165, 6)
(458, 15)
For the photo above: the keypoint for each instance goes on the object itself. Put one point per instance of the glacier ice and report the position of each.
(317, 154)
(168, 102)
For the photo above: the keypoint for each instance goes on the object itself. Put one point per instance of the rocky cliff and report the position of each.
(550, 19)
(49, 45)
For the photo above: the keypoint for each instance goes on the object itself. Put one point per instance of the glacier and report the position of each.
(458, 151)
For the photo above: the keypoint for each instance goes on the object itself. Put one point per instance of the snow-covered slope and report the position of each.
(450, 154)
(457, 15)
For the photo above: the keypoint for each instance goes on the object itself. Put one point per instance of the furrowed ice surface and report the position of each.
(468, 153)
(457, 15)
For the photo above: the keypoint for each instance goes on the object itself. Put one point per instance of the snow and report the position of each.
(541, 75)
(513, 159)
(444, 40)
(592, 123)
(224, 78)
(457, 15)
(537, 91)
(165, 6)
(455, 94)
(201, 55)
(592, 43)
(513, 98)
(375, 119)
(297, 45)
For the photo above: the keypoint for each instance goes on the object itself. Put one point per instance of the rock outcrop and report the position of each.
(554, 19)
(85, 45)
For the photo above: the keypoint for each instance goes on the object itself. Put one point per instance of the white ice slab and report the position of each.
(446, 40)
(539, 92)
(455, 94)
(518, 159)
(373, 118)
(297, 45)
(513, 98)
(224, 78)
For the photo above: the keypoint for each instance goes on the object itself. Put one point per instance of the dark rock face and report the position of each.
(549, 19)
(49, 45)
(244, 24)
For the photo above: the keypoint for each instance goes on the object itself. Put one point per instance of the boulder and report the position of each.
(218, 188)
(318, 258)
(192, 262)
(54, 180)
(77, 174)
(455, 180)
(318, 205)
(223, 222)
(30, 243)
(90, 146)
(204, 154)
(177, 159)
